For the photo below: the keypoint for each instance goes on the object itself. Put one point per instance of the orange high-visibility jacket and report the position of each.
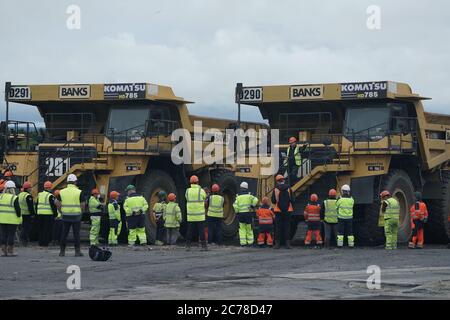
(312, 213)
(420, 213)
(265, 215)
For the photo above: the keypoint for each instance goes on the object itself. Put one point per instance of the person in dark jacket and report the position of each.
(27, 209)
(283, 199)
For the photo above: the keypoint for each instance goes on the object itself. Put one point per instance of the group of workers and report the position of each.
(62, 210)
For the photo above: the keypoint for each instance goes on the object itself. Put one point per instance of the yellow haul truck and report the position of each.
(110, 136)
(372, 136)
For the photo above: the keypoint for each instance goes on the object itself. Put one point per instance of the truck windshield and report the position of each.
(367, 121)
(131, 119)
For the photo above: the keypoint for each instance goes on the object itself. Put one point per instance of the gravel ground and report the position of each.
(229, 272)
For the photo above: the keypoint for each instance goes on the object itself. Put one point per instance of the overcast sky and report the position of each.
(203, 47)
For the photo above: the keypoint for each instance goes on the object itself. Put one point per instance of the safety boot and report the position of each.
(204, 246)
(78, 252)
(277, 245)
(10, 250)
(4, 251)
(62, 251)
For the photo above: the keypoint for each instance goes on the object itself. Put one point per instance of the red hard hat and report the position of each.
(26, 185)
(56, 193)
(332, 193)
(279, 177)
(314, 197)
(172, 197)
(8, 173)
(193, 179)
(385, 193)
(292, 140)
(95, 192)
(114, 194)
(215, 188)
(265, 201)
(48, 185)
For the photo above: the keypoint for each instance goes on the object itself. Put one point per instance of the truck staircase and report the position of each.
(308, 180)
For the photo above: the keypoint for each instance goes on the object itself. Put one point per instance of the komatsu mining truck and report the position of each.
(372, 136)
(110, 136)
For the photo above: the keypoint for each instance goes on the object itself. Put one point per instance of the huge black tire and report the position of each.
(367, 231)
(437, 230)
(149, 185)
(229, 188)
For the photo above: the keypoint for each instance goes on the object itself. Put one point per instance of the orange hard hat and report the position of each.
(114, 194)
(385, 193)
(193, 179)
(95, 192)
(314, 197)
(215, 188)
(265, 201)
(56, 193)
(48, 185)
(292, 140)
(8, 173)
(26, 185)
(332, 193)
(171, 197)
(279, 177)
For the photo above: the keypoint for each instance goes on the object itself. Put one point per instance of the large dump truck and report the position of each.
(110, 135)
(372, 136)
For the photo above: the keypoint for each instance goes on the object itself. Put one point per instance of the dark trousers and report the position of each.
(282, 227)
(345, 227)
(199, 227)
(45, 229)
(57, 230)
(8, 234)
(330, 231)
(26, 229)
(76, 233)
(215, 230)
(292, 174)
(160, 230)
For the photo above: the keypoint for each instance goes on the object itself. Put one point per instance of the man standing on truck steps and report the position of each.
(245, 208)
(135, 207)
(46, 213)
(195, 209)
(284, 207)
(72, 207)
(344, 207)
(96, 210)
(27, 209)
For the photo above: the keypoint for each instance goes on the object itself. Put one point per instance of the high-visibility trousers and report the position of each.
(391, 233)
(95, 230)
(137, 233)
(345, 228)
(417, 234)
(245, 234)
(114, 233)
(265, 234)
(313, 230)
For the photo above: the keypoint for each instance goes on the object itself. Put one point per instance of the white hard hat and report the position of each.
(244, 185)
(72, 178)
(10, 184)
(346, 188)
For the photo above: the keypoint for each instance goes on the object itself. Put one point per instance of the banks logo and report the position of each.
(75, 92)
(306, 92)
